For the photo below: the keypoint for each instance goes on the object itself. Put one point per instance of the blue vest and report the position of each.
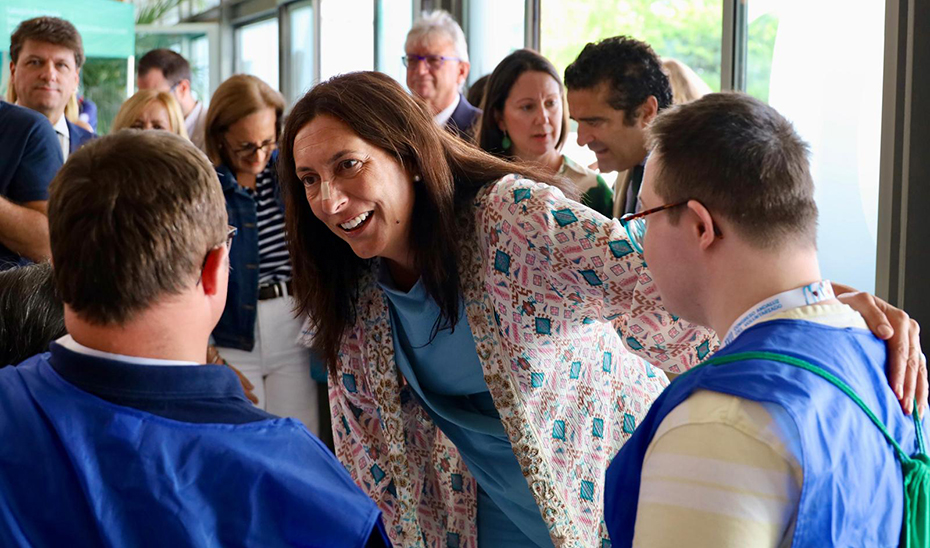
(76, 470)
(853, 493)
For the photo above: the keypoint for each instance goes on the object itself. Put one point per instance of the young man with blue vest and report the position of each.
(756, 448)
(118, 436)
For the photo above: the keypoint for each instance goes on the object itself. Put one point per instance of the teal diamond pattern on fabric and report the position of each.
(348, 381)
(598, 430)
(543, 326)
(345, 424)
(590, 276)
(536, 379)
(564, 217)
(608, 360)
(587, 491)
(521, 194)
(633, 344)
(606, 543)
(456, 482)
(629, 423)
(575, 370)
(558, 430)
(377, 473)
(452, 540)
(502, 262)
(620, 248)
(703, 349)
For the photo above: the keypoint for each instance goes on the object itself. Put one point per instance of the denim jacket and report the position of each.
(236, 328)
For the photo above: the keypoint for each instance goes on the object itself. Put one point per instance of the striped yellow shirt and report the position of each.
(721, 471)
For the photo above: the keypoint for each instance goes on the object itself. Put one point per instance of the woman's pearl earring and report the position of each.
(417, 178)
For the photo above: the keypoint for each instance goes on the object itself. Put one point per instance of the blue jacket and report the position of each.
(853, 493)
(30, 156)
(463, 118)
(79, 470)
(236, 328)
(78, 137)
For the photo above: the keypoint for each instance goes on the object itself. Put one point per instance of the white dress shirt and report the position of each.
(194, 122)
(68, 342)
(443, 117)
(64, 136)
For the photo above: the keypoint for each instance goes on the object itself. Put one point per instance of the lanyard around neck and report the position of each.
(793, 298)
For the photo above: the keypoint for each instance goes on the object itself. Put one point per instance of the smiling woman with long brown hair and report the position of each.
(469, 320)
(478, 326)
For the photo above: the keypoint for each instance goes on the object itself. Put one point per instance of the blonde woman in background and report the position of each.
(151, 109)
(687, 86)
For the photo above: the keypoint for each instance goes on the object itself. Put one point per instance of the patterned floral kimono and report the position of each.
(552, 291)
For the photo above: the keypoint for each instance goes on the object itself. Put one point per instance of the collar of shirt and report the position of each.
(191, 119)
(64, 136)
(793, 298)
(446, 113)
(68, 342)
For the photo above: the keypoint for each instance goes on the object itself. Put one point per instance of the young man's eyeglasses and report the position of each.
(433, 61)
(230, 234)
(635, 224)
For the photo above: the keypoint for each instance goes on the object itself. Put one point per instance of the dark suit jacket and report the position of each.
(79, 136)
(463, 118)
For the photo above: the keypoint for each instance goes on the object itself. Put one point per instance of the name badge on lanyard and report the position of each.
(794, 298)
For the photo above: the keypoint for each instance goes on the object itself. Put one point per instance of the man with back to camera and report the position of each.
(616, 87)
(120, 436)
(753, 451)
(46, 55)
(166, 70)
(437, 67)
(31, 155)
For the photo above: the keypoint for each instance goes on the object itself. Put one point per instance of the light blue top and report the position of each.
(447, 378)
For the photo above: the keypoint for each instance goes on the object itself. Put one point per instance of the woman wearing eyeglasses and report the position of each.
(257, 333)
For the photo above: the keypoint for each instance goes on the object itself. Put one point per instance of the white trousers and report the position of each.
(278, 366)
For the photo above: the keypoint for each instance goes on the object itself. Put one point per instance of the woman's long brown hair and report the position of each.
(326, 272)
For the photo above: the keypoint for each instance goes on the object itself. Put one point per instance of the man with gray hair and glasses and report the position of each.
(437, 67)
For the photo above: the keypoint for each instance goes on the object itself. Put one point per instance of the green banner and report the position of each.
(107, 27)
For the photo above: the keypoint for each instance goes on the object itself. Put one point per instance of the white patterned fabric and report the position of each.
(552, 293)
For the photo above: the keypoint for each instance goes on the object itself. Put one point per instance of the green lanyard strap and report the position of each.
(834, 380)
(915, 529)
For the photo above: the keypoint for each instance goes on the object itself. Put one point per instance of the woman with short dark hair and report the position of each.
(258, 332)
(525, 118)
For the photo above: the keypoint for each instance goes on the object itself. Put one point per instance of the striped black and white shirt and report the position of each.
(274, 262)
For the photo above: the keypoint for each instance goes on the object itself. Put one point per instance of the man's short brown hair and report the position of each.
(173, 66)
(47, 29)
(742, 160)
(131, 218)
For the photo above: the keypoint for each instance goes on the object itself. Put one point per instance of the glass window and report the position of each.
(687, 30)
(395, 17)
(496, 28)
(347, 38)
(257, 50)
(301, 55)
(831, 90)
(194, 46)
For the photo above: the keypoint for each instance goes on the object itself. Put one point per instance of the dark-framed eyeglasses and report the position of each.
(635, 223)
(433, 61)
(250, 149)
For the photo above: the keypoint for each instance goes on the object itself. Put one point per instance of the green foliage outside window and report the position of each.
(687, 30)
